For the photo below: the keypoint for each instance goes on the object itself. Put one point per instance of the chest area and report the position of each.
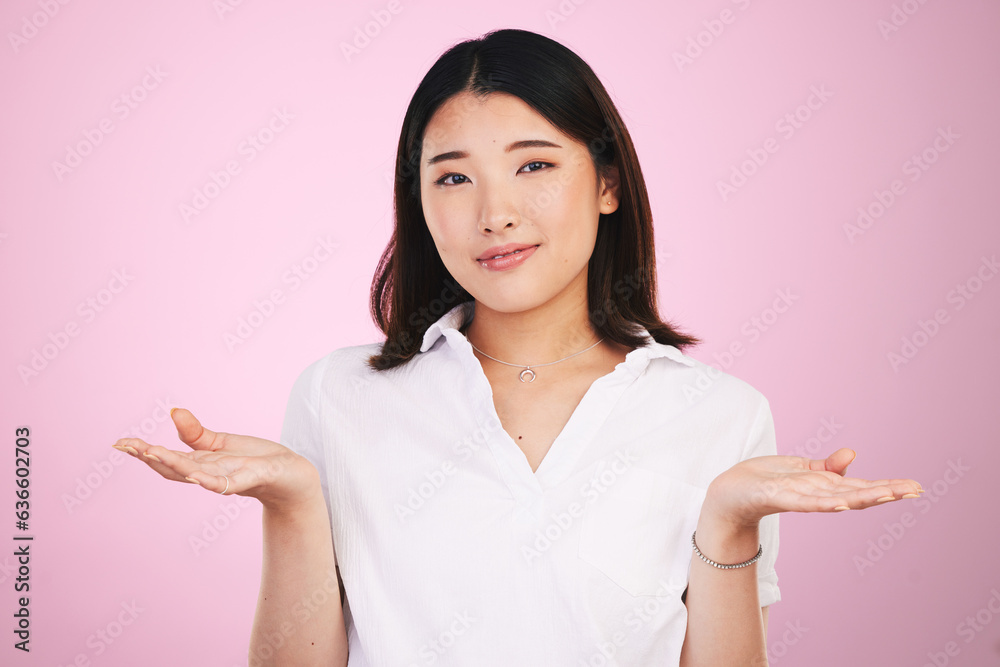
(534, 417)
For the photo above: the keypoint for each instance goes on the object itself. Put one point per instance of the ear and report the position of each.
(608, 191)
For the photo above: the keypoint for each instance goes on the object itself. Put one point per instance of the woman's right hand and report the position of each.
(278, 477)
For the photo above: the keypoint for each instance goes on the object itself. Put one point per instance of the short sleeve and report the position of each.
(302, 431)
(761, 441)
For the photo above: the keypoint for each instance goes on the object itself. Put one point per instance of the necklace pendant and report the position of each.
(528, 372)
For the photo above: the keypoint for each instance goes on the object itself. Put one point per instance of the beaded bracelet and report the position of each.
(724, 567)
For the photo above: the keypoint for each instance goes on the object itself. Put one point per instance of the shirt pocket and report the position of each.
(637, 532)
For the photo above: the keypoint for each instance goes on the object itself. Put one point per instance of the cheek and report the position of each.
(573, 213)
(450, 244)
(438, 224)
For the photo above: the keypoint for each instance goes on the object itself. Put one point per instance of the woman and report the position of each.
(528, 471)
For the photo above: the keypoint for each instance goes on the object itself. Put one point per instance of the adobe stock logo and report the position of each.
(88, 310)
(899, 17)
(295, 276)
(434, 649)
(31, 25)
(753, 328)
(894, 532)
(970, 627)
(914, 167)
(712, 30)
(248, 150)
(121, 108)
(224, 7)
(786, 126)
(926, 330)
(562, 12)
(381, 18)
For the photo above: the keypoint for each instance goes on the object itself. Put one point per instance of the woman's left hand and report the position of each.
(763, 485)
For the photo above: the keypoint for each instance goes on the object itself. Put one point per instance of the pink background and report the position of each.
(160, 338)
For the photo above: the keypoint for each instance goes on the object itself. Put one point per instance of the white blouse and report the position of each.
(453, 552)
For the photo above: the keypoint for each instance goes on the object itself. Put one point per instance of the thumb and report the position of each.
(191, 432)
(839, 460)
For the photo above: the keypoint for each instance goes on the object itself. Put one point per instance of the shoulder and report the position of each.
(703, 384)
(343, 365)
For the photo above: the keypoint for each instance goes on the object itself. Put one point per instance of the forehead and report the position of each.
(467, 116)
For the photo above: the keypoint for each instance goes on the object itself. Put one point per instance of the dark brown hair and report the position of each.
(412, 288)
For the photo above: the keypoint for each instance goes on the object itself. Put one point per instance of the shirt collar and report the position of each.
(448, 325)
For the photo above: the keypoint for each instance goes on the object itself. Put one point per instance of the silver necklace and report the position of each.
(527, 372)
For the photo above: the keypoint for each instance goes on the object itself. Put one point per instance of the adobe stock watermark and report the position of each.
(419, 321)
(224, 8)
(753, 328)
(605, 653)
(463, 449)
(712, 30)
(8, 568)
(970, 628)
(212, 529)
(105, 636)
(423, 317)
(625, 288)
(786, 127)
(87, 310)
(605, 476)
(914, 167)
(365, 34)
(926, 330)
(792, 635)
(562, 12)
(328, 592)
(893, 532)
(828, 428)
(265, 307)
(898, 17)
(247, 151)
(436, 648)
(85, 486)
(34, 22)
(121, 108)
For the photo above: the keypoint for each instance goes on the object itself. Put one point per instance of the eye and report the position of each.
(536, 162)
(441, 181)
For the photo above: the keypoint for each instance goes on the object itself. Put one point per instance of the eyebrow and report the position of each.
(517, 145)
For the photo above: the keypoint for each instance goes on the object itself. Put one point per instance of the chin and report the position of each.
(514, 302)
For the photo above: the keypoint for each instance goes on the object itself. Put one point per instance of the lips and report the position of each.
(502, 250)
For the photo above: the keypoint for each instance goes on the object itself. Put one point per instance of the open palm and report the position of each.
(764, 485)
(255, 467)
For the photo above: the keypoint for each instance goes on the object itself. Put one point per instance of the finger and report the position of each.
(122, 445)
(192, 433)
(897, 488)
(153, 456)
(227, 484)
(132, 446)
(875, 495)
(833, 481)
(836, 462)
(832, 486)
(222, 484)
(892, 482)
(176, 465)
(791, 501)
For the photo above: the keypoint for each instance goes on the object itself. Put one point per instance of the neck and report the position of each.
(537, 336)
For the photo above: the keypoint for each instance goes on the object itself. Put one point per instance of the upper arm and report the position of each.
(763, 615)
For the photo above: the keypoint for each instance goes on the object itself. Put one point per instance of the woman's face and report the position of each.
(488, 188)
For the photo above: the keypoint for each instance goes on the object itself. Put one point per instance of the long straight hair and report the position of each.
(412, 287)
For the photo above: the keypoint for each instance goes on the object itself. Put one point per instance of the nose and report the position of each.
(497, 210)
